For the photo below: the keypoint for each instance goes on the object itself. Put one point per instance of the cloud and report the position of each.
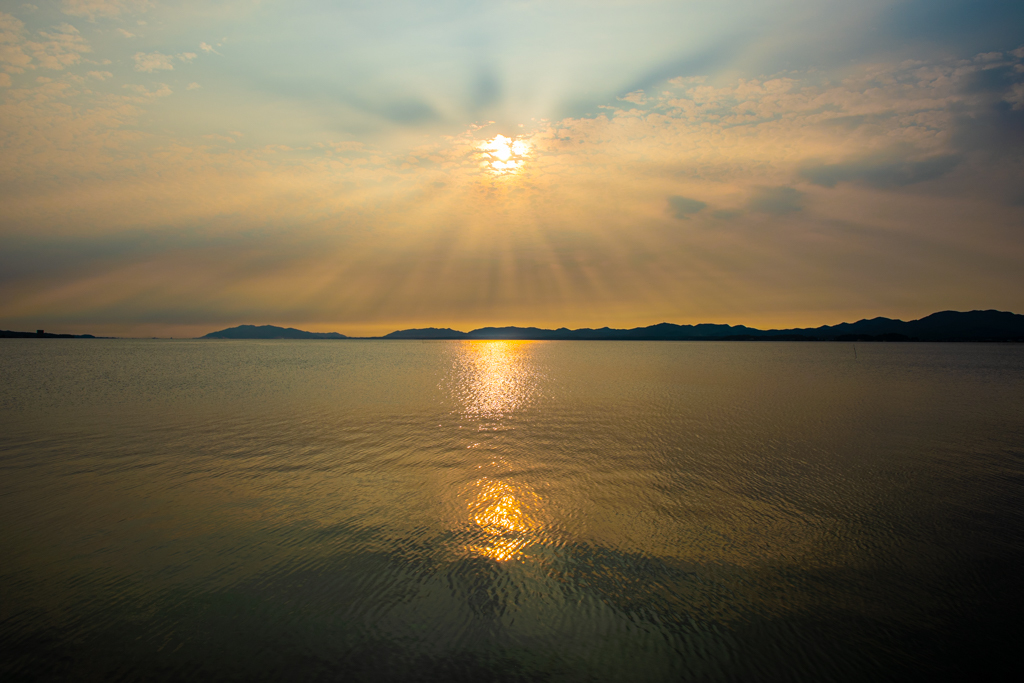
(153, 61)
(187, 56)
(91, 9)
(343, 146)
(990, 79)
(408, 111)
(101, 75)
(994, 125)
(486, 89)
(56, 49)
(126, 34)
(62, 46)
(881, 171)
(5, 80)
(682, 207)
(144, 92)
(12, 40)
(1015, 96)
(636, 97)
(776, 200)
(967, 24)
(995, 131)
(193, 86)
(206, 47)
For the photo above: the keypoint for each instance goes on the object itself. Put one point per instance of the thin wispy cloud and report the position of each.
(153, 61)
(96, 9)
(56, 47)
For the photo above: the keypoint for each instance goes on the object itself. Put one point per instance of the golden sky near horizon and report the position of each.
(173, 168)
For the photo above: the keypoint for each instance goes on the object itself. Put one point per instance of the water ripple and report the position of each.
(509, 511)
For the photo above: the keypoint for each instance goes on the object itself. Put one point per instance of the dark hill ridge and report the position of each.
(943, 326)
(661, 331)
(270, 332)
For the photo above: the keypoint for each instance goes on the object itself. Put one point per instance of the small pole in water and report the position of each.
(855, 352)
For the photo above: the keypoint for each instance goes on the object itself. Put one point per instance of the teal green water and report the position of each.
(565, 511)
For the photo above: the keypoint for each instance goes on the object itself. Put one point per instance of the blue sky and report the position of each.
(176, 167)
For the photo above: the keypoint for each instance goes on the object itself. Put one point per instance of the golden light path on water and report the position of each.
(503, 155)
(495, 379)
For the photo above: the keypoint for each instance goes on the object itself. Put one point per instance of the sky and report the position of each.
(171, 168)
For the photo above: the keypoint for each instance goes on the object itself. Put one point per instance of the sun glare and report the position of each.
(503, 155)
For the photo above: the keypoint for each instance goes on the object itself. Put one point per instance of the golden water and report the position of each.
(370, 510)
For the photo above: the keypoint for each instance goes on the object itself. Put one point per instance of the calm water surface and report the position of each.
(491, 511)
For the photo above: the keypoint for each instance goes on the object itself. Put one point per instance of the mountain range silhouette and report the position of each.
(943, 326)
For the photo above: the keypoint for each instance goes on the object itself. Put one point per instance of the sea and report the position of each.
(206, 510)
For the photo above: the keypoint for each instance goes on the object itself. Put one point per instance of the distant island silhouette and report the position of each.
(944, 326)
(40, 334)
(269, 332)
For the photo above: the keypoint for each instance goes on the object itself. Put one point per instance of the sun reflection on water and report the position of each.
(505, 517)
(494, 378)
(492, 381)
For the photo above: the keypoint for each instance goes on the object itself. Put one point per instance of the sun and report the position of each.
(503, 155)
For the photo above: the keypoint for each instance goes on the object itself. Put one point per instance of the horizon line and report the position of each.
(537, 328)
